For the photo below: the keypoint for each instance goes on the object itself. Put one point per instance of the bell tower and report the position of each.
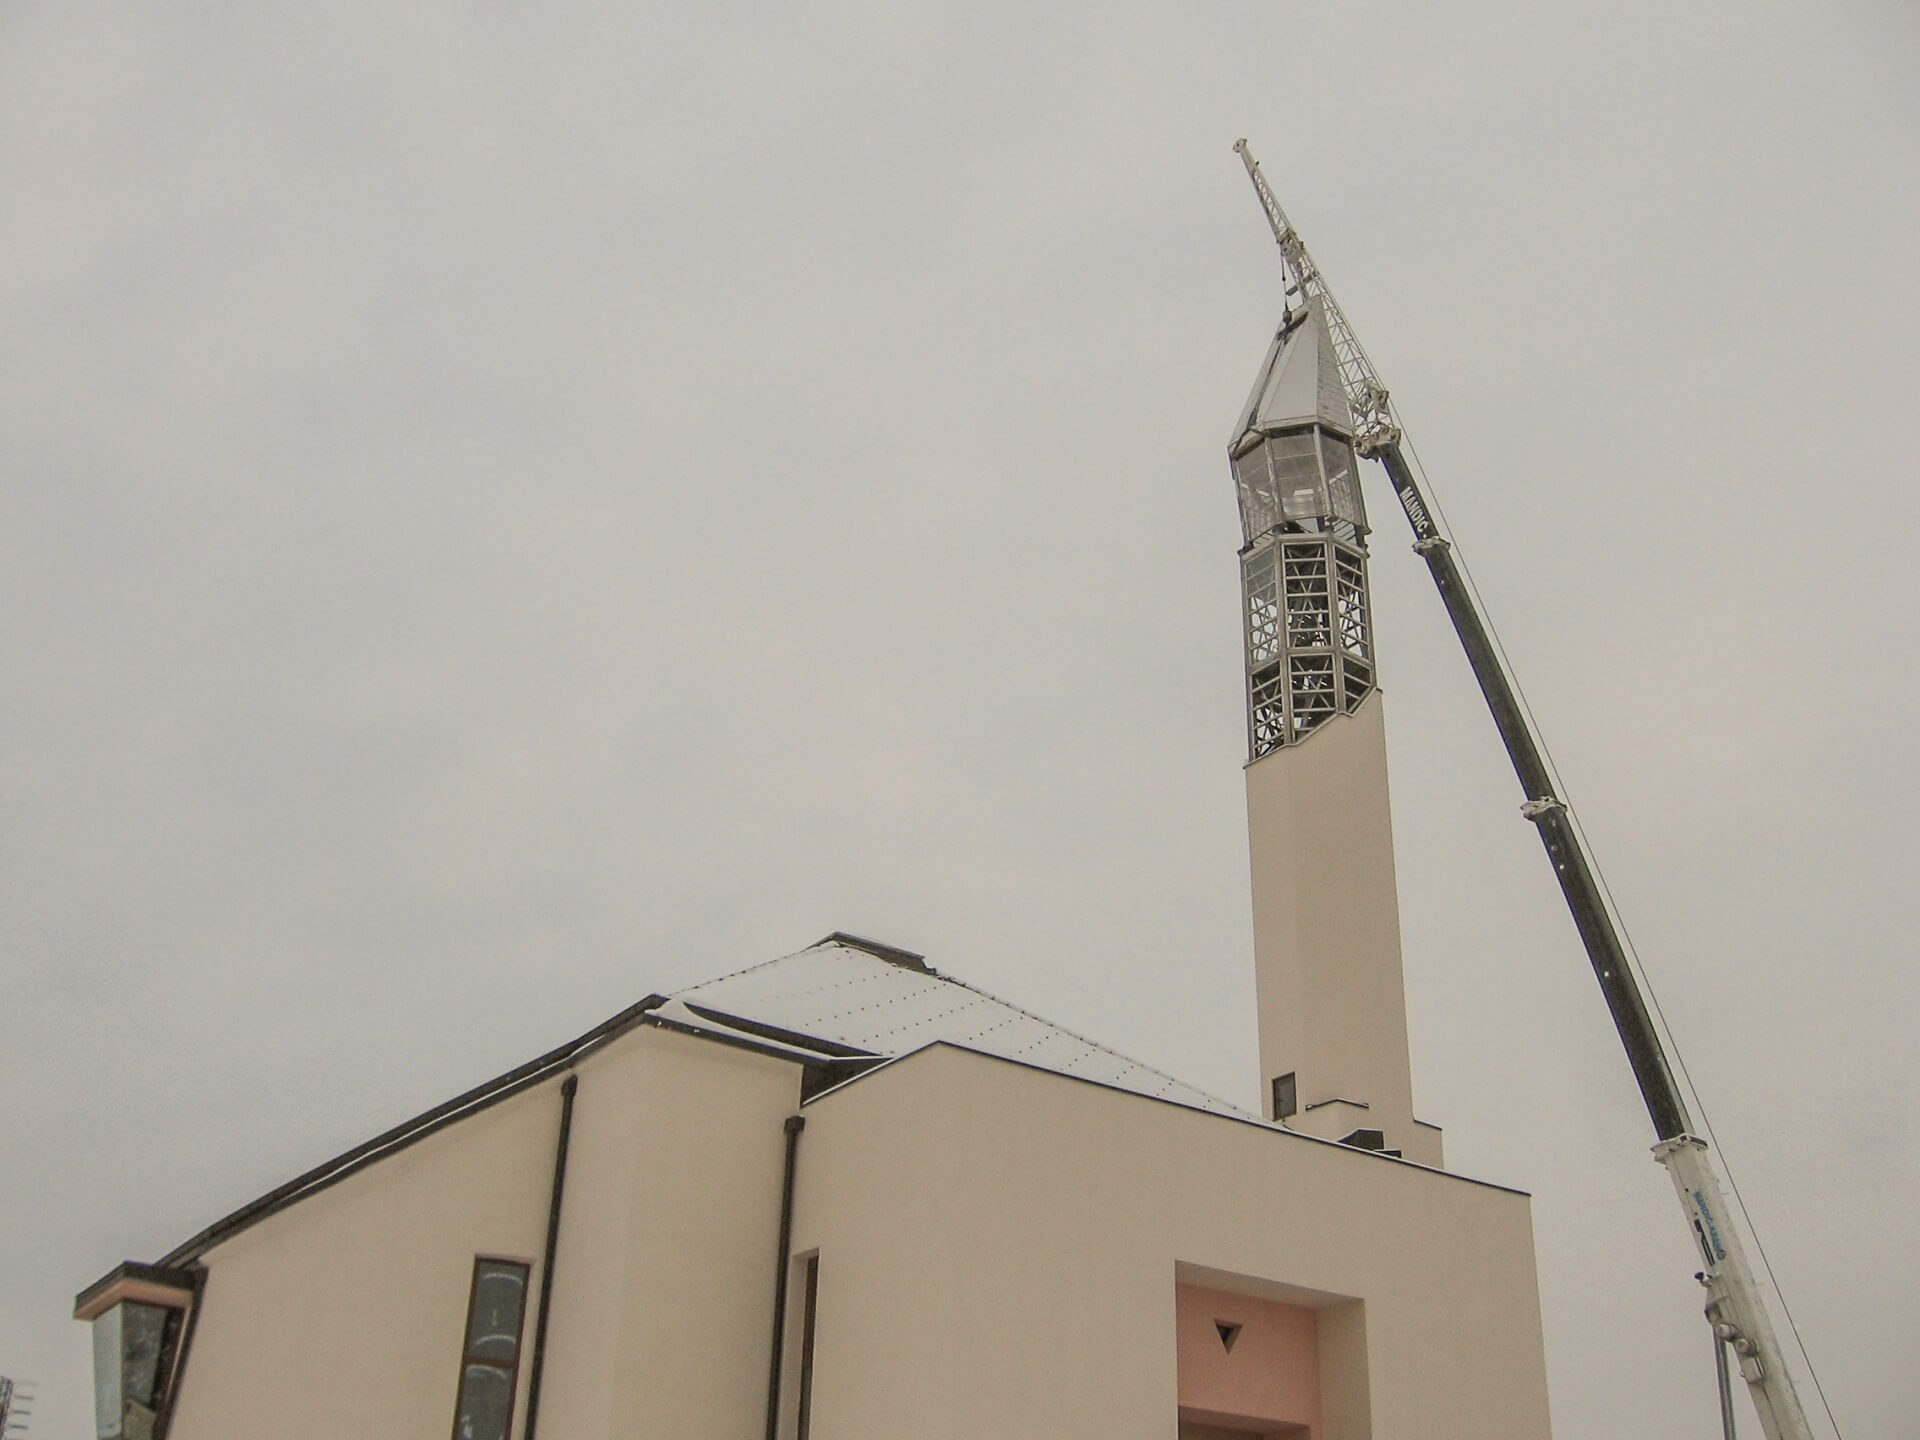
(1326, 914)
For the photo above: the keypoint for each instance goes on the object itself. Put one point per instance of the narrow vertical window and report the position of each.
(809, 1303)
(1286, 1096)
(491, 1361)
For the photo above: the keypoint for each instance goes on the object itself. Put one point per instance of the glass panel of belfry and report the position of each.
(1303, 576)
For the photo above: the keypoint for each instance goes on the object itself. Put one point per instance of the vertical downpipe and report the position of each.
(163, 1422)
(795, 1124)
(567, 1089)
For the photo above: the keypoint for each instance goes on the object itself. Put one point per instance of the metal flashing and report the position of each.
(892, 954)
(819, 1076)
(135, 1280)
(831, 1049)
(738, 1042)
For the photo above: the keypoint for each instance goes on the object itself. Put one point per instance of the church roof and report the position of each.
(850, 999)
(840, 1007)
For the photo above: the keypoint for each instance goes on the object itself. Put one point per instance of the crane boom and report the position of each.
(1736, 1307)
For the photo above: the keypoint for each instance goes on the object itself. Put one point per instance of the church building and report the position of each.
(844, 1195)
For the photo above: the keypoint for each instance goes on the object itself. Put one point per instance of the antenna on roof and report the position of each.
(16, 1403)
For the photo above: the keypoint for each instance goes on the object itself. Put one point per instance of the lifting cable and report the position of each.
(1432, 498)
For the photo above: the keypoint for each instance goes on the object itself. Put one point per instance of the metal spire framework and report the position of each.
(1303, 567)
(1735, 1306)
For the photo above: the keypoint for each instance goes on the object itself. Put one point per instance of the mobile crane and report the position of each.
(1735, 1306)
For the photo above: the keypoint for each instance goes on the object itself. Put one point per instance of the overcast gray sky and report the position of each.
(509, 508)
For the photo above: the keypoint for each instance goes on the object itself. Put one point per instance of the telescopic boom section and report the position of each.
(1735, 1306)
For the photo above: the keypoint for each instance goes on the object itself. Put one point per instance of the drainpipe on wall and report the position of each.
(795, 1124)
(164, 1421)
(567, 1089)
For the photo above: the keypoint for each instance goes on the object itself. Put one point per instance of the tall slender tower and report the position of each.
(1326, 913)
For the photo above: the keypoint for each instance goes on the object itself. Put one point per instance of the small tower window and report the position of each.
(1286, 1096)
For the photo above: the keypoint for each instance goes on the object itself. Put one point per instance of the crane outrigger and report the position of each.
(1735, 1306)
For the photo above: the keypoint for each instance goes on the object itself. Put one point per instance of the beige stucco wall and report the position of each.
(998, 1249)
(343, 1314)
(663, 1290)
(999, 1253)
(1326, 929)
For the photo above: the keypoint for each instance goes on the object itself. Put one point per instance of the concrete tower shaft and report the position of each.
(1332, 1008)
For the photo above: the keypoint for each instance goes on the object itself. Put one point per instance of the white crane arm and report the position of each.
(1373, 420)
(1736, 1306)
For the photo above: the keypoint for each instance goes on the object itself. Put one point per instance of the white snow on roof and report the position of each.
(836, 991)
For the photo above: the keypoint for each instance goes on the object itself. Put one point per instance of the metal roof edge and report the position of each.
(166, 1277)
(831, 1049)
(892, 954)
(741, 1041)
(348, 1162)
(1251, 1121)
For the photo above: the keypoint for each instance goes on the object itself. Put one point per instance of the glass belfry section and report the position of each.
(1303, 568)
